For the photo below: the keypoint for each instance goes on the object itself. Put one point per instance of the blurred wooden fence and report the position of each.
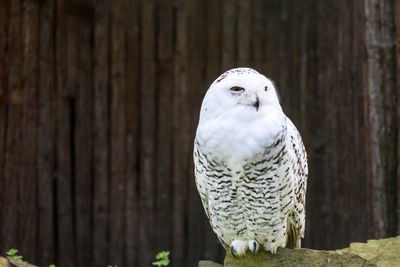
(99, 102)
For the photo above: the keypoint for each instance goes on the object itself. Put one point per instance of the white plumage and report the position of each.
(250, 165)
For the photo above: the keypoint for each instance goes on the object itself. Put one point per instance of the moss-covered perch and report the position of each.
(381, 253)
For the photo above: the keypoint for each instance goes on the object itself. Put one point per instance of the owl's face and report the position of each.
(241, 92)
(240, 115)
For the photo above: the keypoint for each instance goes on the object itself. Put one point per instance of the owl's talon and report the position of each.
(239, 247)
(253, 246)
(233, 252)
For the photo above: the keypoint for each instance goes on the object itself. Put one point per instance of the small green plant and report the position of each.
(13, 253)
(162, 258)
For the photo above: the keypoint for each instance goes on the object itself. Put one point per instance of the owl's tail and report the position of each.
(293, 232)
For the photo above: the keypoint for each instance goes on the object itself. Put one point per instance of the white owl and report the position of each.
(250, 165)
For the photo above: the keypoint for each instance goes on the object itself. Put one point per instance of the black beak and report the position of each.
(257, 103)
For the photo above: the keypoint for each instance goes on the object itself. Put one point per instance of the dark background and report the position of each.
(99, 102)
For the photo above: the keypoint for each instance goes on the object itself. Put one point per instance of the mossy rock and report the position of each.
(209, 264)
(381, 253)
(297, 257)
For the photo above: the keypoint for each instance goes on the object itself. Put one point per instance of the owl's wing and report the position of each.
(203, 169)
(301, 162)
(200, 171)
(300, 173)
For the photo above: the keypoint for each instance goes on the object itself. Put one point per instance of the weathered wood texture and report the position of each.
(99, 102)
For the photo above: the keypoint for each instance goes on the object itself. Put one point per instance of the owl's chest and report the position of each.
(250, 189)
(233, 142)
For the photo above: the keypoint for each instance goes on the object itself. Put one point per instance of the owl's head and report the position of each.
(243, 92)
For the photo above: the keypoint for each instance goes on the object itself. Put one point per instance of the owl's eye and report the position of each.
(237, 89)
(266, 88)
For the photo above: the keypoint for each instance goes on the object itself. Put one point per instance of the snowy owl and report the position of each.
(250, 165)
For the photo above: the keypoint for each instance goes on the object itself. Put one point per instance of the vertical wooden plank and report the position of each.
(294, 44)
(147, 136)
(13, 135)
(388, 54)
(213, 55)
(315, 148)
(272, 11)
(182, 142)
(4, 22)
(46, 136)
(28, 179)
(229, 34)
(303, 23)
(214, 32)
(132, 110)
(359, 166)
(74, 188)
(343, 123)
(117, 134)
(308, 85)
(284, 43)
(342, 117)
(81, 44)
(197, 88)
(164, 96)
(243, 37)
(65, 125)
(397, 22)
(257, 36)
(381, 89)
(327, 47)
(101, 130)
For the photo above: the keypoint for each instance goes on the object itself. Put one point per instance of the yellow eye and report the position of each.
(237, 89)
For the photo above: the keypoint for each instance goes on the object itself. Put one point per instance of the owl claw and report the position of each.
(253, 246)
(239, 247)
(233, 252)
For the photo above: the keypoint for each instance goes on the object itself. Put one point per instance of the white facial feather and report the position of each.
(229, 118)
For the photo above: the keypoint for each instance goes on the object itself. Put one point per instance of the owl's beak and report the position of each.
(257, 103)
